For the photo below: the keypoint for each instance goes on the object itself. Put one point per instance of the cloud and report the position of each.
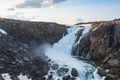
(79, 20)
(11, 9)
(38, 3)
(18, 16)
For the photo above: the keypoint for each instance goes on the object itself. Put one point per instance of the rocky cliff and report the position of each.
(103, 47)
(17, 46)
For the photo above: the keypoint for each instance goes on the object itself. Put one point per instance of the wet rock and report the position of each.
(73, 78)
(67, 77)
(55, 66)
(84, 46)
(113, 63)
(101, 72)
(50, 77)
(79, 34)
(62, 71)
(74, 72)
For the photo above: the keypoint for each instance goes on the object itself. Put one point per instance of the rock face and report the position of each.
(101, 40)
(17, 47)
(103, 46)
(84, 46)
(33, 31)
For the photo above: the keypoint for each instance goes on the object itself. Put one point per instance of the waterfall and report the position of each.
(84, 32)
(60, 53)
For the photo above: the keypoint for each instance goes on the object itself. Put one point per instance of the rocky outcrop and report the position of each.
(103, 47)
(17, 54)
(33, 31)
(101, 40)
(105, 41)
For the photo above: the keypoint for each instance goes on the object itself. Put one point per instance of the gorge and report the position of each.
(50, 51)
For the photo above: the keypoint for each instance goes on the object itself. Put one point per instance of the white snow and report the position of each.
(6, 76)
(2, 32)
(21, 77)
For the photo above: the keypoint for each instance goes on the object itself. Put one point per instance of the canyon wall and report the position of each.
(102, 46)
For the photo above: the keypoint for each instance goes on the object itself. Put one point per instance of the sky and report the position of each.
(60, 11)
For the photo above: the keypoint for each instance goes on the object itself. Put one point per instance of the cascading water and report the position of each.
(60, 53)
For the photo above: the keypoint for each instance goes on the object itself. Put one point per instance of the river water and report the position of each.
(60, 53)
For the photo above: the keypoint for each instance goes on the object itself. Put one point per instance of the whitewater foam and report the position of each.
(60, 53)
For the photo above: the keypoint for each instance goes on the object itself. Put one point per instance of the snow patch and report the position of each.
(21, 77)
(2, 32)
(6, 76)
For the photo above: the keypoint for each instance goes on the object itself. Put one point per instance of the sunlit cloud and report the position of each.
(38, 3)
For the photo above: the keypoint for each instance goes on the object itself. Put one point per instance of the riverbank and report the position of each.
(22, 50)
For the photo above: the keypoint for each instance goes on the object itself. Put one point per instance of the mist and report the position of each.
(41, 49)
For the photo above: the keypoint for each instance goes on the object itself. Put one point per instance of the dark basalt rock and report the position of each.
(74, 72)
(50, 77)
(62, 71)
(67, 77)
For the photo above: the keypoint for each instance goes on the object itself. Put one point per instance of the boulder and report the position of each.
(50, 77)
(55, 66)
(101, 72)
(74, 72)
(67, 77)
(62, 71)
(114, 63)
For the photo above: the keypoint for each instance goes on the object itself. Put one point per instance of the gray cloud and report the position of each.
(38, 3)
(11, 9)
(79, 20)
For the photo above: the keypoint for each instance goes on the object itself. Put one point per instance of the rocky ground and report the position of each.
(17, 55)
(103, 47)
